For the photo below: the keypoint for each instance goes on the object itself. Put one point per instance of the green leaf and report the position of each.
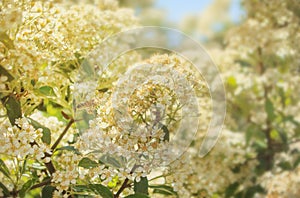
(4, 189)
(86, 69)
(26, 187)
(141, 186)
(167, 133)
(13, 108)
(4, 72)
(107, 159)
(4, 38)
(4, 169)
(47, 91)
(269, 108)
(231, 189)
(163, 189)
(283, 135)
(87, 163)
(81, 188)
(68, 148)
(137, 195)
(46, 138)
(285, 165)
(47, 191)
(254, 190)
(101, 190)
(296, 162)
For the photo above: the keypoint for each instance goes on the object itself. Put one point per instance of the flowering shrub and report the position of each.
(72, 128)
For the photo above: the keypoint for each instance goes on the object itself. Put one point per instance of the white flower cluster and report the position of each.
(56, 127)
(46, 41)
(226, 164)
(283, 180)
(284, 184)
(67, 171)
(153, 104)
(23, 140)
(267, 29)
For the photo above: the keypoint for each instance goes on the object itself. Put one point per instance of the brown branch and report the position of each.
(125, 184)
(43, 183)
(62, 134)
(49, 165)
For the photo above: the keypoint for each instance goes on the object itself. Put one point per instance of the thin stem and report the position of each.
(43, 183)
(125, 183)
(62, 134)
(50, 167)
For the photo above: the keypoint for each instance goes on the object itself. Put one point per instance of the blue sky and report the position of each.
(176, 9)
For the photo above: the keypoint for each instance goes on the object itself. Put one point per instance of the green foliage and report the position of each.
(269, 107)
(6, 40)
(4, 72)
(167, 133)
(141, 186)
(26, 187)
(69, 148)
(101, 190)
(4, 169)
(4, 189)
(47, 191)
(47, 91)
(164, 190)
(109, 160)
(46, 138)
(87, 163)
(13, 108)
(231, 189)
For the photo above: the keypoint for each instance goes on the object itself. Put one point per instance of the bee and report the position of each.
(87, 104)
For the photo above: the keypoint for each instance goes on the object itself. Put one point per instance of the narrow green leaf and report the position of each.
(26, 187)
(296, 162)
(283, 135)
(47, 91)
(167, 133)
(47, 191)
(254, 190)
(23, 168)
(4, 189)
(141, 186)
(285, 165)
(231, 189)
(106, 159)
(87, 163)
(68, 148)
(4, 72)
(13, 108)
(81, 188)
(87, 69)
(4, 169)
(46, 138)
(163, 189)
(4, 38)
(101, 190)
(269, 107)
